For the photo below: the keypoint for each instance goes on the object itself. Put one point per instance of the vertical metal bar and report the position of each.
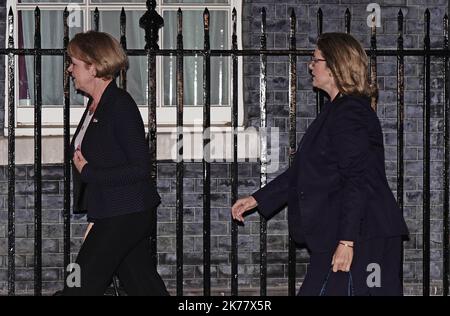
(373, 60)
(400, 116)
(320, 99)
(263, 146)
(11, 159)
(319, 21)
(234, 165)
(180, 162)
(348, 18)
(206, 158)
(426, 158)
(151, 22)
(445, 241)
(123, 42)
(37, 156)
(96, 19)
(67, 158)
(152, 130)
(292, 138)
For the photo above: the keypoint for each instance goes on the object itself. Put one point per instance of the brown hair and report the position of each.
(101, 50)
(347, 60)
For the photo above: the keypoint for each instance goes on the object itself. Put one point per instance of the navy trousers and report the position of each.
(376, 271)
(119, 245)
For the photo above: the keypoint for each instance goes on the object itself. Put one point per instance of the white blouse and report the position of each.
(80, 136)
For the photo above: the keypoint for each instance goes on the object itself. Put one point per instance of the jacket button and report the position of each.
(302, 195)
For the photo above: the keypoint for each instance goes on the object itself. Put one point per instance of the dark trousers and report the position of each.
(381, 255)
(118, 245)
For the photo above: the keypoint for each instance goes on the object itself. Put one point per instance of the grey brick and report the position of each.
(52, 260)
(24, 216)
(52, 202)
(166, 229)
(49, 274)
(52, 231)
(20, 260)
(276, 242)
(24, 246)
(50, 245)
(51, 216)
(21, 231)
(220, 200)
(24, 274)
(77, 230)
(191, 200)
(193, 258)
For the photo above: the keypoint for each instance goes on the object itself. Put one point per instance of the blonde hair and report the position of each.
(101, 50)
(347, 60)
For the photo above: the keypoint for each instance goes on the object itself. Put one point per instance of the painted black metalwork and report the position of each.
(320, 97)
(206, 158)
(11, 160)
(348, 19)
(234, 164)
(292, 139)
(67, 158)
(263, 153)
(37, 156)
(373, 61)
(180, 162)
(96, 20)
(426, 158)
(123, 42)
(223, 52)
(445, 235)
(400, 115)
(151, 22)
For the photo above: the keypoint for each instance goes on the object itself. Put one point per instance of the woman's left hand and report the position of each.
(343, 256)
(79, 160)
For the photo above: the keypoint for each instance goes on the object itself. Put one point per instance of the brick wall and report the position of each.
(278, 28)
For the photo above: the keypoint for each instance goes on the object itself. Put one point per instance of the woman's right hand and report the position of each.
(241, 206)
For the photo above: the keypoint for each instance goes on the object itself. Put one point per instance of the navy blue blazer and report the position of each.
(116, 180)
(336, 188)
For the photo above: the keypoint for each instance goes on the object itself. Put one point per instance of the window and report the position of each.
(82, 18)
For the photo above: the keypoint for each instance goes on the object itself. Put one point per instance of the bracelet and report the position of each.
(346, 245)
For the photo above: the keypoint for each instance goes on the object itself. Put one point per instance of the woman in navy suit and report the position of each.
(339, 201)
(111, 175)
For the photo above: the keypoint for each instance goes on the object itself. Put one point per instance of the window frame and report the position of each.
(166, 116)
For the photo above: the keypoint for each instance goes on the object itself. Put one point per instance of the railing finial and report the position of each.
(151, 22)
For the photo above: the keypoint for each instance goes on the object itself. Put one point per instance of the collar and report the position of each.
(337, 97)
(107, 95)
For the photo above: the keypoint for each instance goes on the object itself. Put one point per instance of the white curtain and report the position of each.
(52, 33)
(193, 66)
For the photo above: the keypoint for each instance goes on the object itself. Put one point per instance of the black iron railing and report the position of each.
(152, 22)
